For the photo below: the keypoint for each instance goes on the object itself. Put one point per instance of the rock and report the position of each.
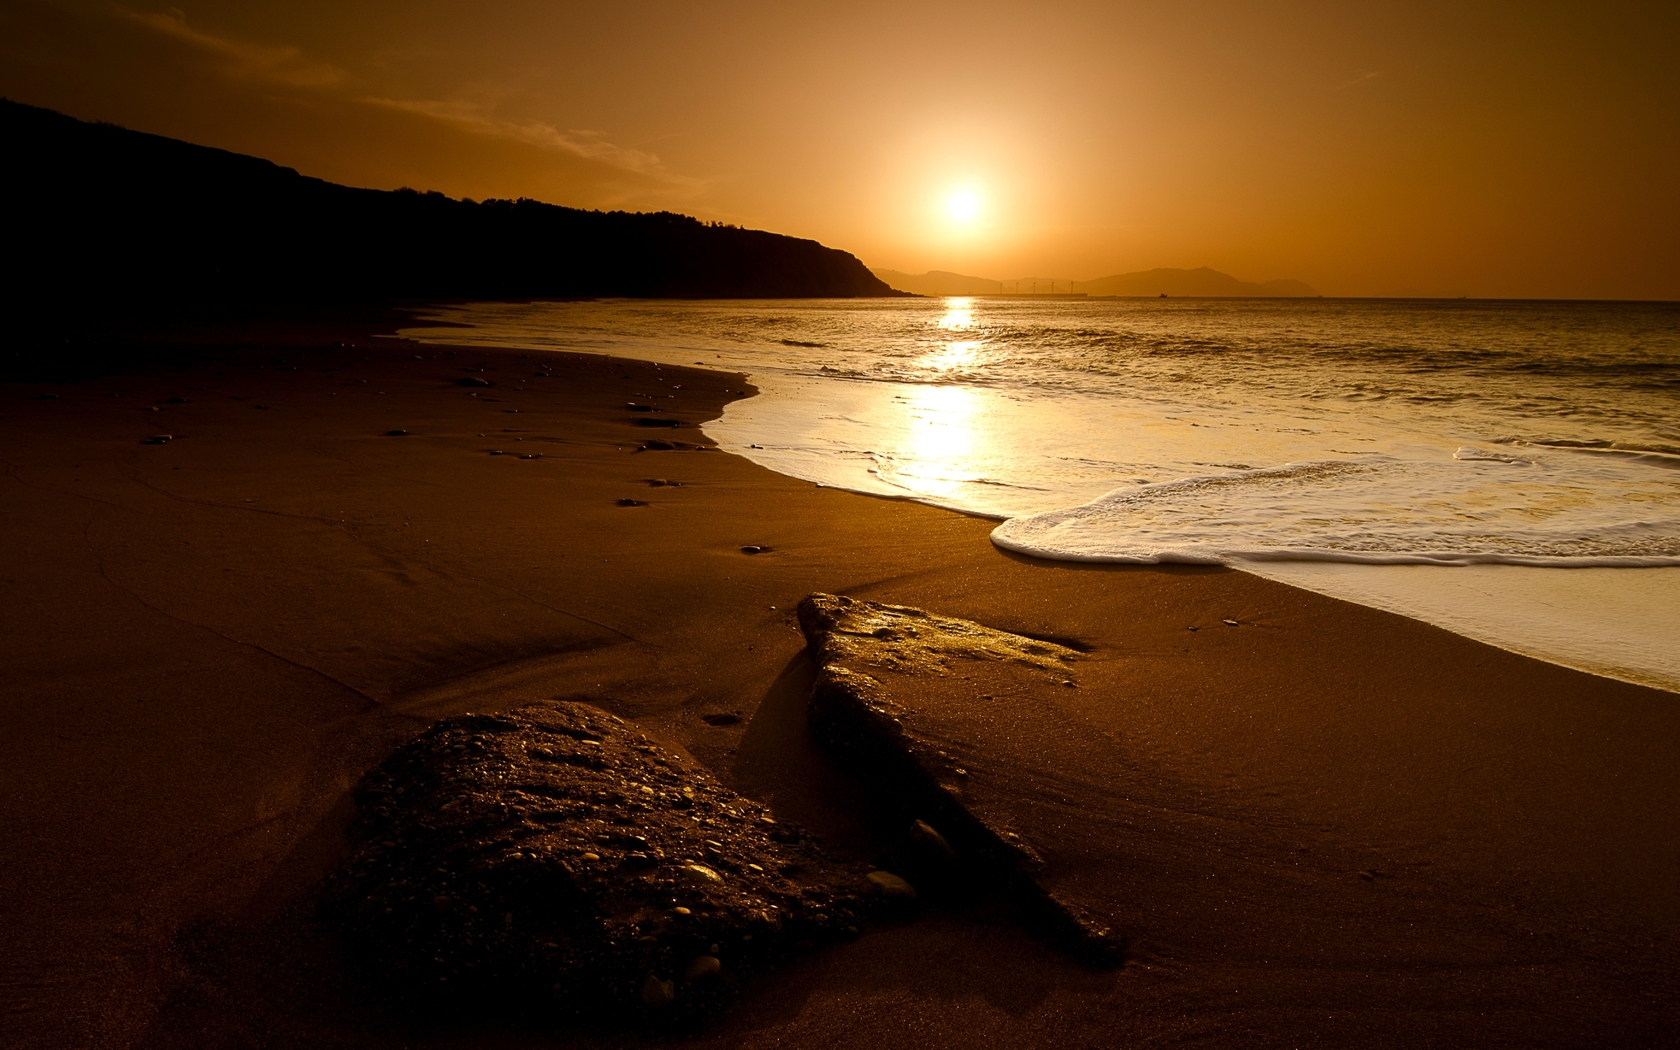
(910, 702)
(702, 967)
(634, 407)
(753, 548)
(632, 502)
(888, 885)
(396, 433)
(615, 857)
(657, 445)
(159, 439)
(703, 875)
(473, 381)
(657, 993)
(931, 843)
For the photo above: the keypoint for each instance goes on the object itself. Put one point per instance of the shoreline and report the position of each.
(214, 637)
(1523, 606)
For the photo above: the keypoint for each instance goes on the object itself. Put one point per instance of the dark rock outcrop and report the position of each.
(553, 859)
(915, 704)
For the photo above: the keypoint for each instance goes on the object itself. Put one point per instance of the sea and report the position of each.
(1509, 471)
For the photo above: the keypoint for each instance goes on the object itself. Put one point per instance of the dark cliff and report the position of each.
(94, 211)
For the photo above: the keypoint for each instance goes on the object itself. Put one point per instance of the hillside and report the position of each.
(98, 212)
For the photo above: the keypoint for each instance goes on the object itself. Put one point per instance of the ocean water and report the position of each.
(1509, 471)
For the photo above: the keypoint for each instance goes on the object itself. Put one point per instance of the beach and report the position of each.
(1338, 826)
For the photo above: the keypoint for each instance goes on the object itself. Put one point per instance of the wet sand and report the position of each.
(1342, 827)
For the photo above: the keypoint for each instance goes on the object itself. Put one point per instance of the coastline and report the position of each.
(213, 638)
(906, 405)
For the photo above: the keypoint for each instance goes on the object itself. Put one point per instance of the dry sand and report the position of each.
(1340, 827)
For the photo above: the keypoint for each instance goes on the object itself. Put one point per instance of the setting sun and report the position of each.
(963, 206)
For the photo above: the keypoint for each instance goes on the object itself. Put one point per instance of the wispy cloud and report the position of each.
(273, 63)
(1362, 78)
(281, 65)
(589, 145)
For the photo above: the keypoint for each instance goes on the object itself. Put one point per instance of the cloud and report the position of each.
(271, 63)
(589, 145)
(625, 174)
(1356, 81)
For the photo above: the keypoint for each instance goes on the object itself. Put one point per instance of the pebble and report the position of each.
(657, 993)
(1231, 623)
(753, 548)
(658, 445)
(396, 433)
(701, 967)
(929, 839)
(159, 439)
(634, 407)
(632, 503)
(472, 381)
(702, 874)
(890, 886)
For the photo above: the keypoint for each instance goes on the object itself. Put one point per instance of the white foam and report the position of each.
(1609, 622)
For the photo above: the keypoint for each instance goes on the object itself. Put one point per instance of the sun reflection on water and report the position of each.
(961, 353)
(945, 440)
(959, 314)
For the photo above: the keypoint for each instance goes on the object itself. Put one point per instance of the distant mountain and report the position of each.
(96, 213)
(1199, 282)
(938, 282)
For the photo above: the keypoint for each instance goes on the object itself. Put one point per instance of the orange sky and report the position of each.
(1521, 149)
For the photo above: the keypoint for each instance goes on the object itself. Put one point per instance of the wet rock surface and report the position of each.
(555, 860)
(953, 723)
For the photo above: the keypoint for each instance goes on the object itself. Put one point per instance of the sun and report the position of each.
(963, 206)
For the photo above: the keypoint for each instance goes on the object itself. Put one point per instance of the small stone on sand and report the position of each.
(890, 886)
(927, 839)
(657, 993)
(701, 967)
